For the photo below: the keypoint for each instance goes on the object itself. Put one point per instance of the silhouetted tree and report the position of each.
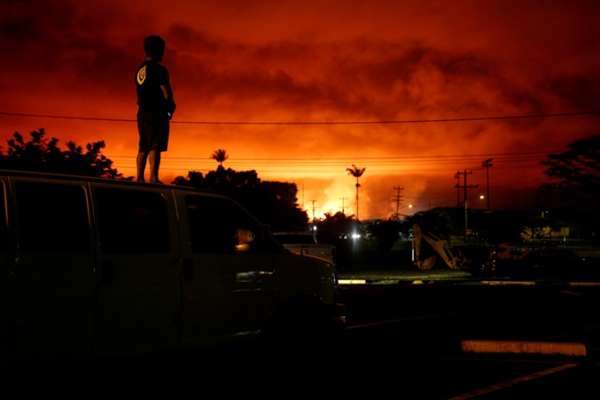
(273, 203)
(336, 229)
(357, 173)
(194, 179)
(386, 233)
(333, 226)
(220, 156)
(43, 155)
(276, 204)
(575, 173)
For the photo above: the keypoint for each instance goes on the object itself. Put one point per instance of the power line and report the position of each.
(311, 165)
(526, 156)
(67, 117)
(398, 162)
(381, 122)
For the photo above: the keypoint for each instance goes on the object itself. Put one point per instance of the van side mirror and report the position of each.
(245, 240)
(256, 241)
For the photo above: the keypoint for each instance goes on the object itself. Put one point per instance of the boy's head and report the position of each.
(154, 47)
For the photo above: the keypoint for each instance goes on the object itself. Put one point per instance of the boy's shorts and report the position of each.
(153, 129)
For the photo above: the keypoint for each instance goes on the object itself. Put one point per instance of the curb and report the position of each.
(519, 347)
(418, 281)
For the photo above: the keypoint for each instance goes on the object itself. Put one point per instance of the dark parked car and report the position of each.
(540, 263)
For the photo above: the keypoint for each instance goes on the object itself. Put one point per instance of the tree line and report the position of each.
(574, 177)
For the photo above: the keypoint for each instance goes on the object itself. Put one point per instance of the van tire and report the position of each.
(297, 326)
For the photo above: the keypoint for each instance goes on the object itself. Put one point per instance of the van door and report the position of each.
(139, 279)
(53, 273)
(228, 270)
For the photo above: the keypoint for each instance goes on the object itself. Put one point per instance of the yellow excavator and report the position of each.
(424, 258)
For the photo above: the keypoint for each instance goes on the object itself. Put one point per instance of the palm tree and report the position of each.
(220, 156)
(357, 173)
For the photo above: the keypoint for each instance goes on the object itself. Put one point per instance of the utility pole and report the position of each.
(487, 164)
(457, 186)
(397, 199)
(343, 209)
(465, 187)
(313, 210)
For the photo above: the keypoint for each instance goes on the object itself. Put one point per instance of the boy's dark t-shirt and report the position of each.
(148, 79)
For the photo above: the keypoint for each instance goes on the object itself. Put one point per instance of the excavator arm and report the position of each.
(439, 245)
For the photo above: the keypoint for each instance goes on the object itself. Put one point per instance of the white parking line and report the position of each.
(415, 318)
(506, 283)
(513, 382)
(352, 281)
(523, 347)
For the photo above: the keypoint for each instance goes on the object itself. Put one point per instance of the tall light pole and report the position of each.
(487, 164)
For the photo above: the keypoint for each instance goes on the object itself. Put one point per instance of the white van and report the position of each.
(95, 268)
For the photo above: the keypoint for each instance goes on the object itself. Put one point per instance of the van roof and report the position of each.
(124, 182)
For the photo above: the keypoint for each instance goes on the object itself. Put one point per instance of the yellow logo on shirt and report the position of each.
(141, 75)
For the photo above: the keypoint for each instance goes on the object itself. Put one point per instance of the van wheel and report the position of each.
(296, 328)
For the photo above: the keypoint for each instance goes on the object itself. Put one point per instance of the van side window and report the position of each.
(52, 218)
(3, 224)
(219, 226)
(132, 221)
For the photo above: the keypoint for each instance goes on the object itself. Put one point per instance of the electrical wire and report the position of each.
(382, 122)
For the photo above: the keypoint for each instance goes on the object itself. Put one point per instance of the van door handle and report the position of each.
(188, 270)
(106, 272)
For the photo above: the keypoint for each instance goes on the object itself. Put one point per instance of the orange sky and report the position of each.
(300, 91)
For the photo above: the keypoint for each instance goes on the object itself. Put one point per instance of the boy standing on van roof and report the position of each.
(155, 108)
